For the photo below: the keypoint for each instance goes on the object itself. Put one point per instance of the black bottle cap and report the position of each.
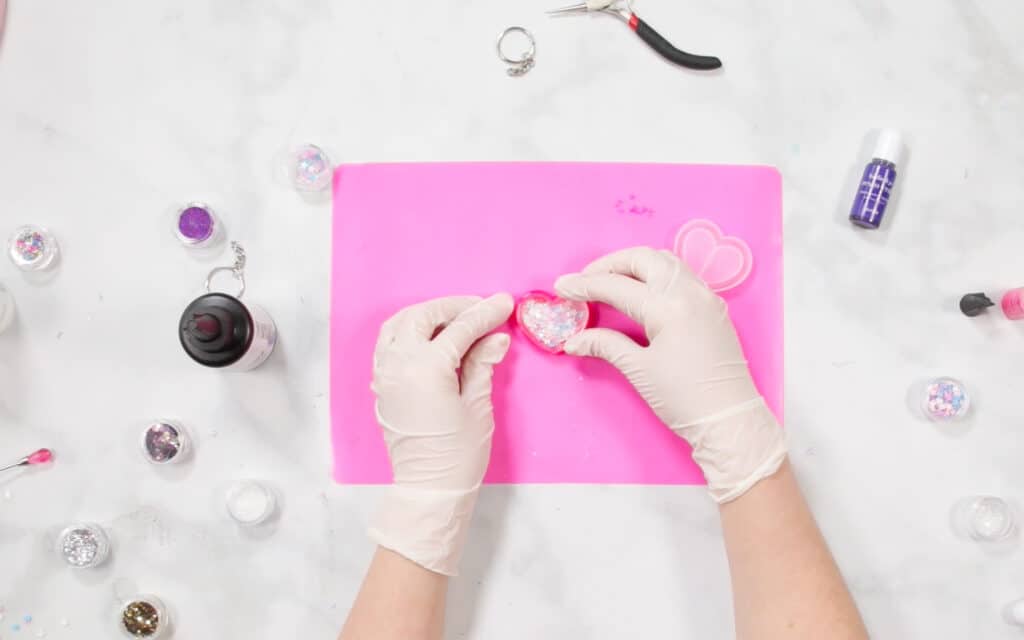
(974, 304)
(216, 330)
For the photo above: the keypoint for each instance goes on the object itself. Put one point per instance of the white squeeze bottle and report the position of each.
(6, 304)
(1014, 613)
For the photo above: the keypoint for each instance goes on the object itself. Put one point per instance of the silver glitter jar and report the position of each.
(165, 442)
(83, 546)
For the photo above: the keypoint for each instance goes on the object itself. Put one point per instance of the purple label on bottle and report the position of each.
(873, 194)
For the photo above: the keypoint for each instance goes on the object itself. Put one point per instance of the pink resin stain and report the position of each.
(404, 233)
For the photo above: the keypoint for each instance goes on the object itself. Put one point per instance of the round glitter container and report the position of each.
(83, 546)
(197, 226)
(165, 442)
(32, 248)
(143, 616)
(945, 400)
(984, 519)
(6, 308)
(309, 168)
(250, 503)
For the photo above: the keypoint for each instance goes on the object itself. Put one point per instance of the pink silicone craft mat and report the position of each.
(404, 233)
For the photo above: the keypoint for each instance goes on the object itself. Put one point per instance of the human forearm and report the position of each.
(432, 372)
(784, 579)
(399, 600)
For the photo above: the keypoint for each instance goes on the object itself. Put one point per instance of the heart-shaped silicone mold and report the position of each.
(549, 321)
(722, 261)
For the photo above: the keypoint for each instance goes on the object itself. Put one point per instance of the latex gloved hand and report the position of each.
(432, 378)
(693, 374)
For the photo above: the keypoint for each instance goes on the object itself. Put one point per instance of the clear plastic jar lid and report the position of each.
(83, 545)
(165, 442)
(32, 248)
(250, 503)
(945, 400)
(143, 616)
(196, 225)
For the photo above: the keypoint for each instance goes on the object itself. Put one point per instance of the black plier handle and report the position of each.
(647, 33)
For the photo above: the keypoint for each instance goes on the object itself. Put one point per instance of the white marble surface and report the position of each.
(112, 111)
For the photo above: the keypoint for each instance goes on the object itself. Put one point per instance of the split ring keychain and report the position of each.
(218, 330)
(521, 65)
(623, 10)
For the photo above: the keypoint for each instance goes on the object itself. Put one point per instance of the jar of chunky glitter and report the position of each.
(83, 545)
(306, 168)
(945, 400)
(165, 442)
(32, 248)
(143, 616)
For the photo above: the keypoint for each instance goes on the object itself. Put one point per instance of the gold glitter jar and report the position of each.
(143, 616)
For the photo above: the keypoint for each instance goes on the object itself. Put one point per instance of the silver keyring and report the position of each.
(518, 67)
(234, 272)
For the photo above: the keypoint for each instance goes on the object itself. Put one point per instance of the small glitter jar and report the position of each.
(143, 616)
(945, 400)
(250, 503)
(197, 226)
(83, 546)
(32, 248)
(309, 168)
(984, 519)
(165, 442)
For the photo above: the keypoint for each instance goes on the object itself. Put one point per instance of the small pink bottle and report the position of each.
(1013, 304)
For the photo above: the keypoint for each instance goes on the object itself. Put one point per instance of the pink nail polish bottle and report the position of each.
(1013, 304)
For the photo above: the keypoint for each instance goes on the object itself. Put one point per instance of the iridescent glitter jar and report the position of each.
(197, 226)
(143, 616)
(945, 400)
(309, 168)
(83, 546)
(165, 442)
(32, 248)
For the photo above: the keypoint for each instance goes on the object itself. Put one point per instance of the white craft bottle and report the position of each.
(6, 308)
(1014, 613)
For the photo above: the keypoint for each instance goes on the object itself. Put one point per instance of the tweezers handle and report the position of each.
(668, 51)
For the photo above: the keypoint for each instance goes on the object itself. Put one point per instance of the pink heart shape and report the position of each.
(549, 321)
(722, 261)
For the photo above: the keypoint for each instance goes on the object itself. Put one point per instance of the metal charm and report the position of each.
(237, 270)
(525, 61)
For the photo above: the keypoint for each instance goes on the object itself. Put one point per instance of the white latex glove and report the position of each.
(432, 377)
(693, 374)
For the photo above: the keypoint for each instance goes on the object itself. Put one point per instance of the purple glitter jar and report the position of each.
(197, 225)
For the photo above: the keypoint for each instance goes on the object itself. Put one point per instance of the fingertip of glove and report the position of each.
(503, 300)
(574, 345)
(502, 342)
(567, 286)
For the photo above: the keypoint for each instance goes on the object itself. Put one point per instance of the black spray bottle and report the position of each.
(218, 330)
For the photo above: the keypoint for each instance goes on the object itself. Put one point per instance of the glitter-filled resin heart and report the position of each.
(549, 321)
(722, 261)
